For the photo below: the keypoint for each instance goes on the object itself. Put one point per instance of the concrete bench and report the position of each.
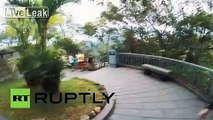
(149, 69)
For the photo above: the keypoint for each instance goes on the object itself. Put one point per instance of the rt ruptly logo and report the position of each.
(19, 98)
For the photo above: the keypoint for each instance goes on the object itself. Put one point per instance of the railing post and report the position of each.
(193, 75)
(211, 90)
(113, 58)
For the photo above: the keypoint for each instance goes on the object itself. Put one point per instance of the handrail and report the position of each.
(199, 77)
(175, 60)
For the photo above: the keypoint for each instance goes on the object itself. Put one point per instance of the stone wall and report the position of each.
(7, 70)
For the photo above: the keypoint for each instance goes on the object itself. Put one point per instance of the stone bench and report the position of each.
(149, 69)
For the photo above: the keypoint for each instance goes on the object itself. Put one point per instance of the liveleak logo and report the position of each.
(26, 12)
(19, 98)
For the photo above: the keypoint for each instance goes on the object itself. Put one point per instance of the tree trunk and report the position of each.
(51, 84)
(42, 27)
(43, 35)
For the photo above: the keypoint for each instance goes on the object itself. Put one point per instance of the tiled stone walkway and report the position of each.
(68, 74)
(2, 118)
(140, 97)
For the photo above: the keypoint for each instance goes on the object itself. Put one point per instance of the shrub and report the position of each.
(41, 68)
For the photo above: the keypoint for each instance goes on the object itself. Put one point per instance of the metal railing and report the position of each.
(198, 77)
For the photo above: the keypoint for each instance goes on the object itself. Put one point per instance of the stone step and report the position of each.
(5, 73)
(4, 67)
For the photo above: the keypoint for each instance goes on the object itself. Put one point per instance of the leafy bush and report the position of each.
(41, 68)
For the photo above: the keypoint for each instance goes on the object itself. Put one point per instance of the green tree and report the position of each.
(119, 46)
(112, 13)
(90, 29)
(153, 27)
(22, 29)
(40, 65)
(104, 34)
(42, 23)
(67, 44)
(195, 34)
(130, 41)
(2, 36)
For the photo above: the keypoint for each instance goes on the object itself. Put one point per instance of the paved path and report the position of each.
(69, 74)
(2, 118)
(140, 97)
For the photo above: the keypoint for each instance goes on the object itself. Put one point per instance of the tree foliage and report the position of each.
(195, 34)
(67, 44)
(89, 29)
(160, 27)
(42, 23)
(22, 29)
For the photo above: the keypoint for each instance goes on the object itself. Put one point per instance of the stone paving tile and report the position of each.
(168, 119)
(161, 105)
(165, 92)
(138, 87)
(191, 102)
(2, 118)
(141, 97)
(125, 117)
(165, 95)
(127, 111)
(130, 106)
(166, 105)
(152, 113)
(153, 99)
(69, 74)
(141, 91)
(141, 113)
(181, 113)
(123, 87)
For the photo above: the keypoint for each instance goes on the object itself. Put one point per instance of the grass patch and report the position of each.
(70, 111)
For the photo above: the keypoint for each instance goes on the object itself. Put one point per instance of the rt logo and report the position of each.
(20, 98)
